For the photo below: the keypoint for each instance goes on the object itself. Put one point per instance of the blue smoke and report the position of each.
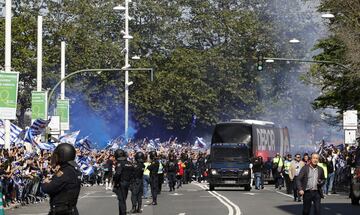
(100, 126)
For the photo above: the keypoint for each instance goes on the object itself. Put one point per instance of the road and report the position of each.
(195, 199)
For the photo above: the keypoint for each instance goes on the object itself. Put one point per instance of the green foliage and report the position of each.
(203, 53)
(340, 87)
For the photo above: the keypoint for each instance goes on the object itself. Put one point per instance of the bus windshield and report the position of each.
(227, 153)
(232, 133)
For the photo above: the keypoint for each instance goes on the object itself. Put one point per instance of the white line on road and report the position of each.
(284, 194)
(99, 197)
(182, 214)
(224, 200)
(87, 194)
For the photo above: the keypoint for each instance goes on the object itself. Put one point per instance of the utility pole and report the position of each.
(8, 5)
(62, 90)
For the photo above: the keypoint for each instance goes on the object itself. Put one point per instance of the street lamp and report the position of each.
(136, 57)
(127, 37)
(294, 41)
(269, 61)
(328, 16)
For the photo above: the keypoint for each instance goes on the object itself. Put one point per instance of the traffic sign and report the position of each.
(63, 110)
(54, 125)
(350, 120)
(350, 137)
(8, 94)
(38, 105)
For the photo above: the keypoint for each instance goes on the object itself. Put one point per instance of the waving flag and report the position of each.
(69, 138)
(14, 133)
(200, 143)
(84, 143)
(37, 128)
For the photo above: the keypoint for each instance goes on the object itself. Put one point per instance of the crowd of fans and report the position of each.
(21, 171)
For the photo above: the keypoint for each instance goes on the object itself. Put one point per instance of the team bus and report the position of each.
(235, 143)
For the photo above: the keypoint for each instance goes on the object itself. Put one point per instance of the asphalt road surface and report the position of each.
(196, 199)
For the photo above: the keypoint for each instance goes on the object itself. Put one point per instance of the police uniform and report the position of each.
(171, 169)
(64, 187)
(154, 180)
(137, 183)
(122, 177)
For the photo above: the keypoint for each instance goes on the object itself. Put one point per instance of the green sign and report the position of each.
(8, 94)
(63, 110)
(38, 105)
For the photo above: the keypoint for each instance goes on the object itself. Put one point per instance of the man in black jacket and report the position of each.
(309, 182)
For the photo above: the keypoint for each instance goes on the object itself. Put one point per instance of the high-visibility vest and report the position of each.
(278, 161)
(287, 165)
(160, 171)
(323, 165)
(146, 171)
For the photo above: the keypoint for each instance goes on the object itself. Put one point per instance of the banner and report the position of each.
(63, 110)
(38, 105)
(8, 94)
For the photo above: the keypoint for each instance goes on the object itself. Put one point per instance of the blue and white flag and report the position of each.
(84, 143)
(14, 133)
(200, 143)
(69, 138)
(37, 128)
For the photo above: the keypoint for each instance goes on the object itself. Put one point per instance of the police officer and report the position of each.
(121, 179)
(171, 169)
(154, 180)
(137, 183)
(64, 187)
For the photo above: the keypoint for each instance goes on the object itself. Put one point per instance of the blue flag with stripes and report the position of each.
(14, 133)
(37, 128)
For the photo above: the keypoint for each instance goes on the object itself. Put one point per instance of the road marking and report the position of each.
(224, 200)
(237, 209)
(251, 194)
(176, 194)
(99, 196)
(182, 214)
(284, 194)
(87, 194)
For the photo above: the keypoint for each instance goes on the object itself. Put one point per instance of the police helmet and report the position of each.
(153, 155)
(120, 154)
(139, 157)
(63, 153)
(171, 157)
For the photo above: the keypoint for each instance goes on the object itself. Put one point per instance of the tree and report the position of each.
(340, 87)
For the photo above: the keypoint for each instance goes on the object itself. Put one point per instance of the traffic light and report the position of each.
(260, 62)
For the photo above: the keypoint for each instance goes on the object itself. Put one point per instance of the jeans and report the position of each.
(329, 183)
(146, 181)
(258, 181)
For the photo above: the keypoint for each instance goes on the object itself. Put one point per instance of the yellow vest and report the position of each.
(323, 165)
(280, 162)
(146, 171)
(287, 165)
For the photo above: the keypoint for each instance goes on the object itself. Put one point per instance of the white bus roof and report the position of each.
(253, 122)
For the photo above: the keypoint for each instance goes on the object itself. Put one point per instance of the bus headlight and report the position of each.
(214, 172)
(246, 172)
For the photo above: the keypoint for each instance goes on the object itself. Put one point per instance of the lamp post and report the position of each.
(8, 5)
(127, 37)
